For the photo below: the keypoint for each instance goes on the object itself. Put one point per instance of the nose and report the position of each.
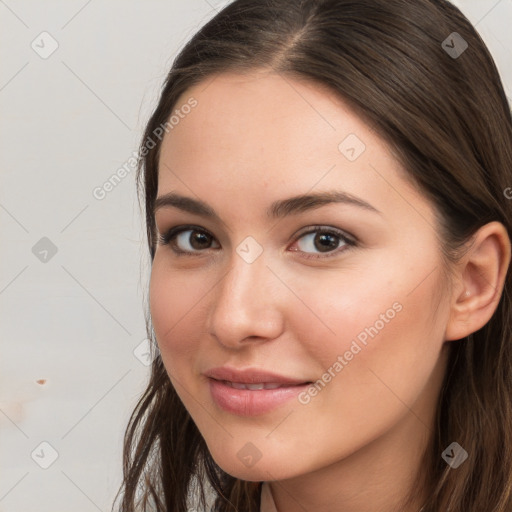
(246, 305)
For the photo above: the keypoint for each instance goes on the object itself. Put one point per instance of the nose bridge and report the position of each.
(244, 304)
(247, 279)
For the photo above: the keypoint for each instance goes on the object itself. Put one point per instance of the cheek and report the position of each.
(350, 320)
(380, 321)
(174, 303)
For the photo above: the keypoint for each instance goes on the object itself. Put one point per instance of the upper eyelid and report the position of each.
(322, 227)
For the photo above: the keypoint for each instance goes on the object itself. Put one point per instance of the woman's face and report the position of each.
(342, 294)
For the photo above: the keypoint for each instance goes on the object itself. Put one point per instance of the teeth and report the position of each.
(253, 387)
(272, 386)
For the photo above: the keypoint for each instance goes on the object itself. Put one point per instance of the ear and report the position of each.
(481, 277)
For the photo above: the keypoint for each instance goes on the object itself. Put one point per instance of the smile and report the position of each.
(252, 399)
(256, 387)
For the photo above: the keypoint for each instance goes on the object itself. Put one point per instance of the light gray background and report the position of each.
(72, 320)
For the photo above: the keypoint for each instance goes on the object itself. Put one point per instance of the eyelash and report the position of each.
(169, 237)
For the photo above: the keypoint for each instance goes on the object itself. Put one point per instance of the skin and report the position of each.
(254, 139)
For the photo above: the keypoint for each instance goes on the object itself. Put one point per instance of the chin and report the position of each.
(240, 464)
(234, 467)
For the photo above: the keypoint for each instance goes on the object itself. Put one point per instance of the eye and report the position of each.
(324, 240)
(192, 240)
(187, 240)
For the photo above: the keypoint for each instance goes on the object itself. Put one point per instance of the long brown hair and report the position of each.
(448, 121)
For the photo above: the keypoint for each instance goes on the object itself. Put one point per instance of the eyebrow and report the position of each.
(278, 209)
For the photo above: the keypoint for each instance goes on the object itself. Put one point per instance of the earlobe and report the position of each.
(482, 273)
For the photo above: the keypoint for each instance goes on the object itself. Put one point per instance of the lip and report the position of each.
(250, 376)
(247, 402)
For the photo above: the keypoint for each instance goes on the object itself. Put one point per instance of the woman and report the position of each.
(325, 187)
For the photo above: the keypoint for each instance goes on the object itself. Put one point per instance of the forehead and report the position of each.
(266, 136)
(266, 114)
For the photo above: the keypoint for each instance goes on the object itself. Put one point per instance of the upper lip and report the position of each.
(250, 376)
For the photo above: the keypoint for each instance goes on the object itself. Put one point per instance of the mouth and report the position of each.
(260, 385)
(246, 399)
(251, 377)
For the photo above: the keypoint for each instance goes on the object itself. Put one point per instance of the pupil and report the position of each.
(330, 240)
(198, 240)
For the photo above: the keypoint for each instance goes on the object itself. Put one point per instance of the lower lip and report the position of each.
(247, 402)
